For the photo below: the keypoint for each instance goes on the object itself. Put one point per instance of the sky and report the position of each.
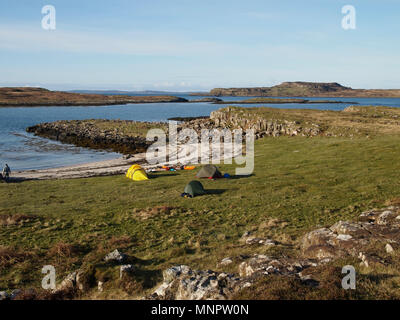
(178, 45)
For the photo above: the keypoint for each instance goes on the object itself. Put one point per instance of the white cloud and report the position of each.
(212, 64)
(134, 43)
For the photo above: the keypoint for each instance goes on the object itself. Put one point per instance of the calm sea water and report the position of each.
(23, 151)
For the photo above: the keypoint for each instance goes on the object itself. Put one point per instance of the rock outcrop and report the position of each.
(375, 228)
(183, 283)
(129, 137)
(230, 118)
(115, 256)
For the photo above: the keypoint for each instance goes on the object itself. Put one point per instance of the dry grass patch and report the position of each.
(393, 202)
(64, 255)
(144, 214)
(120, 242)
(271, 224)
(10, 256)
(14, 219)
(63, 250)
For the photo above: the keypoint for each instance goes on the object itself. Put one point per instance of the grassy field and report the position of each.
(298, 184)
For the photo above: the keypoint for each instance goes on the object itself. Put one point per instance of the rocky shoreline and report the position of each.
(129, 137)
(88, 134)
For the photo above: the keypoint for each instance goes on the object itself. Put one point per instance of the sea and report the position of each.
(24, 151)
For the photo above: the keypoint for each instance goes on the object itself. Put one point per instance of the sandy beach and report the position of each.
(86, 170)
(112, 167)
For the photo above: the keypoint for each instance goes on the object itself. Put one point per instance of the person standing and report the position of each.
(6, 172)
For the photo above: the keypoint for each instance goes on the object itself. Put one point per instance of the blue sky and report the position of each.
(198, 45)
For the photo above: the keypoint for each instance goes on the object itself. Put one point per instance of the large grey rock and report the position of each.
(126, 268)
(115, 256)
(173, 273)
(68, 283)
(384, 217)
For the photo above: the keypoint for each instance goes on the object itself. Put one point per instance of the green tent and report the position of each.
(209, 171)
(194, 188)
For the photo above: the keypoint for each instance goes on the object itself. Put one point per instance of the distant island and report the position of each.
(27, 96)
(31, 96)
(278, 101)
(304, 89)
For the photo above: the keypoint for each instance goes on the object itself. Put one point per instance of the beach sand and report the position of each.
(112, 167)
(86, 170)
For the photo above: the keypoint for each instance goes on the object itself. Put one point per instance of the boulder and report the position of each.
(126, 268)
(115, 256)
(389, 248)
(68, 283)
(225, 261)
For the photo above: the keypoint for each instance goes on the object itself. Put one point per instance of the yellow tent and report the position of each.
(137, 173)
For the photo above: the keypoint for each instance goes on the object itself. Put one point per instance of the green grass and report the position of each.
(302, 182)
(126, 128)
